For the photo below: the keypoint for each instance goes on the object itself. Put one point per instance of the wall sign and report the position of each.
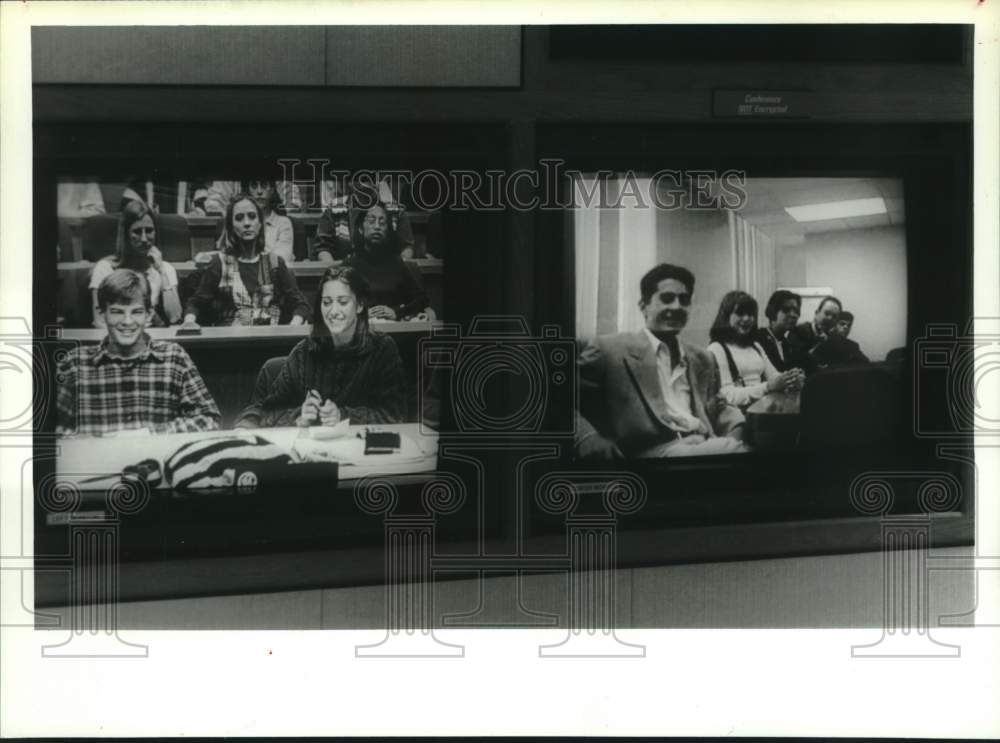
(762, 104)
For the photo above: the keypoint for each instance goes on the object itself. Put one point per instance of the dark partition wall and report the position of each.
(589, 99)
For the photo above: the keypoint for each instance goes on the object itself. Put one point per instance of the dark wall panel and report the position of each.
(417, 56)
(178, 55)
(809, 44)
(354, 56)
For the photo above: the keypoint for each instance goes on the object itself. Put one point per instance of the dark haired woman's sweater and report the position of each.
(391, 283)
(364, 379)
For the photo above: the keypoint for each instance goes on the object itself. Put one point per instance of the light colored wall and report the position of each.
(867, 270)
(699, 241)
(791, 266)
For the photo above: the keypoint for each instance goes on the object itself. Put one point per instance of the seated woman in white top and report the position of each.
(136, 249)
(745, 372)
(78, 198)
(279, 237)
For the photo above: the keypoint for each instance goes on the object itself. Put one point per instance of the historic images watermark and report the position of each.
(956, 386)
(89, 561)
(458, 366)
(499, 190)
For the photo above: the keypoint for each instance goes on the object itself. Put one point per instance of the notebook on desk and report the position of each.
(350, 451)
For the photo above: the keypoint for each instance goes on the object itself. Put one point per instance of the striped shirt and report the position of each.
(160, 389)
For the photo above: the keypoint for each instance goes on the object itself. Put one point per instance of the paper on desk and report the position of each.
(351, 451)
(324, 433)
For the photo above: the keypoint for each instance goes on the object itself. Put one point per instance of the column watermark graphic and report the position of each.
(905, 579)
(409, 547)
(458, 366)
(94, 576)
(591, 534)
(89, 560)
(956, 380)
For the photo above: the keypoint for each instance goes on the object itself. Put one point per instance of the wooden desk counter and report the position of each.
(224, 337)
(85, 457)
(74, 300)
(303, 269)
(773, 421)
(776, 404)
(203, 231)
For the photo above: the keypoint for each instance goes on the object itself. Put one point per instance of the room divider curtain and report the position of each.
(753, 260)
(615, 244)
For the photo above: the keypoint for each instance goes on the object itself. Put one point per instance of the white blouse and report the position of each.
(158, 283)
(754, 368)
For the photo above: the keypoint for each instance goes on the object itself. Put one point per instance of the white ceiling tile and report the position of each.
(871, 220)
(839, 192)
(767, 197)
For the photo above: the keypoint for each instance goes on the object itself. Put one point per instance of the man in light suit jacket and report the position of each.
(648, 394)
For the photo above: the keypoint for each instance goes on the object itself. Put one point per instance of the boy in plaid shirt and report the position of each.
(130, 381)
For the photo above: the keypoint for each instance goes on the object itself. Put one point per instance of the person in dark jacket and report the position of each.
(397, 291)
(782, 313)
(838, 349)
(804, 339)
(346, 206)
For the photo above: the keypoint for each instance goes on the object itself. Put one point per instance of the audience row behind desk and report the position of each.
(652, 394)
(248, 284)
(338, 225)
(341, 225)
(341, 370)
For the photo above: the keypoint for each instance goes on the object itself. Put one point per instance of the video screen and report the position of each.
(282, 315)
(720, 313)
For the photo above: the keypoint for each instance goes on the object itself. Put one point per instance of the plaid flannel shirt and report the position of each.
(160, 389)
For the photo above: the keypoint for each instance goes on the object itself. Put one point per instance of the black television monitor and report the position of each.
(506, 375)
(94, 185)
(734, 457)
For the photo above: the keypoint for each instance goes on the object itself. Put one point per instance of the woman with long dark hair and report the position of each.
(253, 285)
(397, 291)
(343, 371)
(745, 372)
(135, 249)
